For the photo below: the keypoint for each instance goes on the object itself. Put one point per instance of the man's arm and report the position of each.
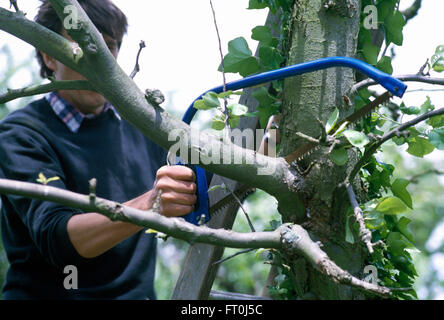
(93, 234)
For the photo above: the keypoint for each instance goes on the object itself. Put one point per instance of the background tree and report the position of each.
(309, 30)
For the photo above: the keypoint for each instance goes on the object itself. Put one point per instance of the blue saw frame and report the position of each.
(393, 85)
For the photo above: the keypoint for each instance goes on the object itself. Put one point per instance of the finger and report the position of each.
(177, 173)
(176, 210)
(167, 184)
(178, 198)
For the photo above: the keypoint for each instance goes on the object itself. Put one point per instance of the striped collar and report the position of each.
(70, 116)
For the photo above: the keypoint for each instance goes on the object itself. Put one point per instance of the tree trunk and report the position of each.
(321, 29)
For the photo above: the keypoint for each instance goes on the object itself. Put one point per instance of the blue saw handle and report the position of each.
(202, 206)
(395, 86)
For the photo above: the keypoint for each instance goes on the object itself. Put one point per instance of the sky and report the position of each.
(182, 54)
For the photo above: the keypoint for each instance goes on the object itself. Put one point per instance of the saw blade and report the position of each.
(241, 193)
(310, 147)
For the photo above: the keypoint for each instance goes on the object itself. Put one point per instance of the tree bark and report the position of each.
(321, 29)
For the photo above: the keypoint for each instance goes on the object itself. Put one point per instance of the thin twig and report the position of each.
(424, 90)
(14, 4)
(225, 186)
(423, 67)
(232, 256)
(412, 11)
(225, 111)
(45, 88)
(137, 67)
(406, 78)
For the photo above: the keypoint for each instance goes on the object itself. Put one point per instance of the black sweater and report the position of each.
(124, 162)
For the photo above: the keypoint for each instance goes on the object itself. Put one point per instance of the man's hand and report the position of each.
(178, 187)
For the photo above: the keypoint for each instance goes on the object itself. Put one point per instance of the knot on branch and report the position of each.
(114, 210)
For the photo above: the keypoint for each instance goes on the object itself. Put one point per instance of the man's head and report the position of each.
(108, 19)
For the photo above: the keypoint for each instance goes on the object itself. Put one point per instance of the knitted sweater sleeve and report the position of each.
(24, 154)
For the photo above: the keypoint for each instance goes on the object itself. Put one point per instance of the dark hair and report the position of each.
(107, 18)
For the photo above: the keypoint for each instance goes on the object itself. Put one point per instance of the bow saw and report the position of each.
(203, 212)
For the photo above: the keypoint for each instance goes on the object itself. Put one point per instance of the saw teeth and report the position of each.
(232, 201)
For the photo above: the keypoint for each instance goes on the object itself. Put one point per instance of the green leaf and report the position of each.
(394, 24)
(211, 100)
(208, 101)
(427, 106)
(348, 232)
(339, 156)
(436, 121)
(385, 65)
(239, 48)
(356, 138)
(371, 53)
(270, 57)
(402, 227)
(237, 109)
(52, 179)
(239, 58)
(43, 180)
(420, 147)
(200, 105)
(409, 110)
(267, 105)
(262, 34)
(218, 122)
(391, 206)
(228, 93)
(399, 141)
(257, 4)
(397, 243)
(399, 190)
(437, 59)
(436, 138)
(385, 8)
(374, 220)
(331, 122)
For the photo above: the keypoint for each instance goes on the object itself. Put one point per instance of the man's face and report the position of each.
(85, 101)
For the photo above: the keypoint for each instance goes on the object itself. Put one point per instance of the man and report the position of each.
(76, 136)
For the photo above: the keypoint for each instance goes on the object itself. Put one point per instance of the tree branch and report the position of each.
(374, 146)
(292, 239)
(174, 227)
(39, 37)
(13, 3)
(296, 239)
(364, 233)
(406, 78)
(45, 88)
(137, 66)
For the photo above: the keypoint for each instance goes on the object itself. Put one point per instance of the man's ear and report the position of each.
(49, 62)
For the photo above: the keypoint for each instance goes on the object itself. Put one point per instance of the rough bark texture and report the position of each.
(321, 29)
